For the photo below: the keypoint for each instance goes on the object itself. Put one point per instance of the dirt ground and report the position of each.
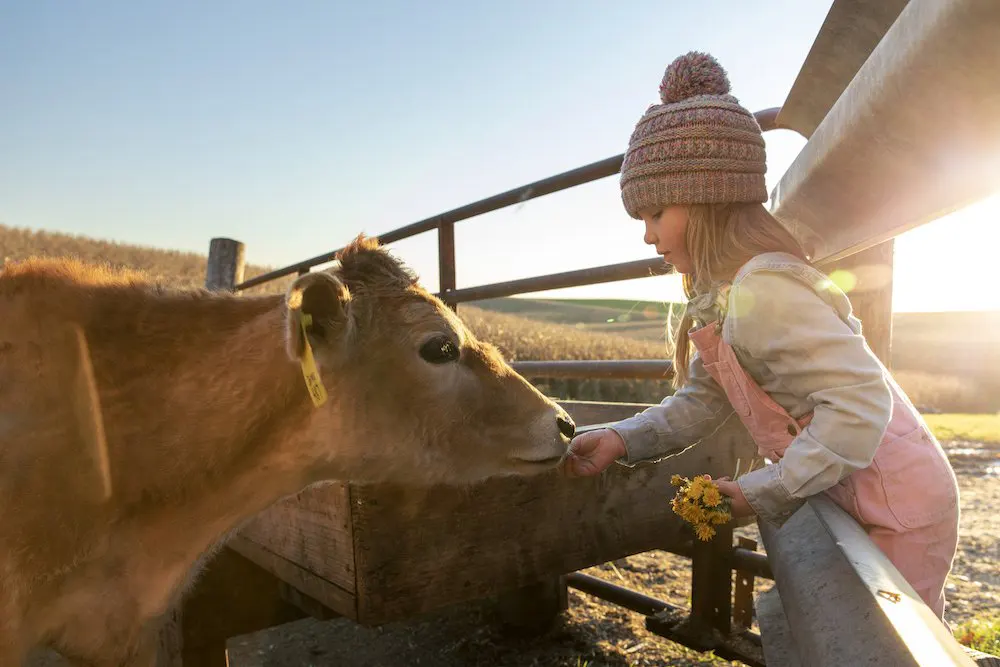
(593, 633)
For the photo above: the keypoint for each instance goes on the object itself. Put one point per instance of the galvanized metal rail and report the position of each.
(829, 576)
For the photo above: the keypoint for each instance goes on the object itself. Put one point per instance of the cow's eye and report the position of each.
(439, 350)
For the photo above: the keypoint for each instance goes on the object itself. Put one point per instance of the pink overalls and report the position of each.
(907, 499)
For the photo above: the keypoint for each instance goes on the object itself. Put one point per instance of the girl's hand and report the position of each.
(592, 452)
(740, 507)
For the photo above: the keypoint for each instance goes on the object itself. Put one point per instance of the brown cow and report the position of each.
(139, 426)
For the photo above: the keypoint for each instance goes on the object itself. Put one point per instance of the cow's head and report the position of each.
(411, 393)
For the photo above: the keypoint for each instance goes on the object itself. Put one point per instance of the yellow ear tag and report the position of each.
(314, 383)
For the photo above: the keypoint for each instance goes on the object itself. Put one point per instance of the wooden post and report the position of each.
(225, 264)
(712, 582)
(531, 610)
(743, 590)
(866, 276)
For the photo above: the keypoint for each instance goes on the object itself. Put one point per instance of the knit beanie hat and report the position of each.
(698, 147)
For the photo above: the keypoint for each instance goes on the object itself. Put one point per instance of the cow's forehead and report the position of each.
(421, 311)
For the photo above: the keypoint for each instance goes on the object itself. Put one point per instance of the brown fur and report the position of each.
(138, 426)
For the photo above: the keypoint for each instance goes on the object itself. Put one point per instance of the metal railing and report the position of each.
(841, 601)
(444, 224)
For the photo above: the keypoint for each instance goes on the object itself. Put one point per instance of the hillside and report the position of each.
(936, 373)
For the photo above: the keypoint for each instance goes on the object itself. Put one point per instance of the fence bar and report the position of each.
(844, 601)
(744, 559)
(446, 260)
(568, 179)
(743, 588)
(642, 268)
(767, 118)
(618, 595)
(591, 172)
(627, 369)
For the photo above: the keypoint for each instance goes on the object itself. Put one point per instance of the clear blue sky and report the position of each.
(294, 126)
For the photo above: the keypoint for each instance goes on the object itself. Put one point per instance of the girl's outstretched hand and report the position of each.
(740, 508)
(592, 452)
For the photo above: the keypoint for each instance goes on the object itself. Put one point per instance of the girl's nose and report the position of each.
(649, 237)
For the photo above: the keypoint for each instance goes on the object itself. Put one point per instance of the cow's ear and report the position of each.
(319, 306)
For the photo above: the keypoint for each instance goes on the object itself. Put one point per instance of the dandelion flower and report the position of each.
(700, 503)
(704, 532)
(696, 488)
(720, 517)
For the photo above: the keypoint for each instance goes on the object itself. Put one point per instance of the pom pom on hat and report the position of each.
(693, 74)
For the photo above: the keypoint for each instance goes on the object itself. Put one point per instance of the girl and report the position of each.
(775, 343)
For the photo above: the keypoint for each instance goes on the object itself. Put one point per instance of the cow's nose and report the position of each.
(566, 425)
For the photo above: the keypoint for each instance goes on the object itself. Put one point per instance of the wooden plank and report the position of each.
(329, 594)
(420, 549)
(311, 529)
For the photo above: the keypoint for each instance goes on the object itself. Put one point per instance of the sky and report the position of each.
(294, 126)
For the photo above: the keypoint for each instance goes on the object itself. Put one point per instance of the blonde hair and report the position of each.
(720, 239)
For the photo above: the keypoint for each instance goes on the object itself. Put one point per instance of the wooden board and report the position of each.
(311, 529)
(417, 550)
(413, 550)
(298, 577)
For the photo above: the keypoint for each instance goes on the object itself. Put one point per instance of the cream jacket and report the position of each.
(793, 331)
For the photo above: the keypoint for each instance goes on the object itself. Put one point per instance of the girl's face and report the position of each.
(666, 229)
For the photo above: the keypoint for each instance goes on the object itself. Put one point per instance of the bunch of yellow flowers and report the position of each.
(700, 503)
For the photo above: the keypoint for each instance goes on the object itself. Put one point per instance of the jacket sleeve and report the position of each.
(693, 412)
(800, 337)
